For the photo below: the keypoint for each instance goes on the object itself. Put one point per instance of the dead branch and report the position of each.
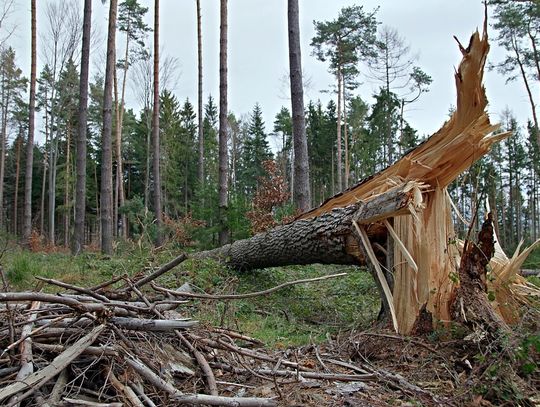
(248, 295)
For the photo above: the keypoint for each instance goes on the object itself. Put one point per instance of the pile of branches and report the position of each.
(131, 345)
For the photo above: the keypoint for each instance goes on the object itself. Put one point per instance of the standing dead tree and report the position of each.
(401, 217)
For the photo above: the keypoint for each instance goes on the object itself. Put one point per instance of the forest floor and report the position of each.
(329, 325)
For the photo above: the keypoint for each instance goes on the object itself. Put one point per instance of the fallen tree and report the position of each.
(401, 218)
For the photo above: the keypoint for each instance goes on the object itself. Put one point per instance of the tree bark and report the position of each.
(200, 96)
(106, 201)
(80, 188)
(471, 305)
(326, 239)
(16, 197)
(27, 229)
(339, 167)
(223, 125)
(155, 129)
(301, 193)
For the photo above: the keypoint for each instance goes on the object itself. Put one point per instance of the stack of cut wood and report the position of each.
(110, 347)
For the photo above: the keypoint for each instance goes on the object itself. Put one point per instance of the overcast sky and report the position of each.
(258, 58)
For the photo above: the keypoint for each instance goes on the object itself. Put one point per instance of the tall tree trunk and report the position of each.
(339, 152)
(223, 154)
(45, 167)
(301, 193)
(3, 142)
(27, 230)
(67, 210)
(527, 88)
(80, 188)
(120, 193)
(200, 96)
(346, 140)
(16, 197)
(155, 129)
(106, 140)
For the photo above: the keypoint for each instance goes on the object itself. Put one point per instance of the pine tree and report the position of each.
(255, 151)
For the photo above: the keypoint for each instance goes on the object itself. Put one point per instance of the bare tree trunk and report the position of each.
(80, 188)
(45, 167)
(346, 140)
(339, 153)
(155, 129)
(120, 193)
(16, 197)
(527, 88)
(200, 96)
(301, 193)
(27, 229)
(223, 154)
(106, 165)
(3, 142)
(67, 210)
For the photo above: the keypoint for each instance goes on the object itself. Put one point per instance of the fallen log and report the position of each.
(326, 239)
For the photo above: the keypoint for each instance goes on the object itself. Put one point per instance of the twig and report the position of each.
(162, 270)
(248, 295)
(404, 339)
(297, 374)
(99, 287)
(79, 402)
(75, 288)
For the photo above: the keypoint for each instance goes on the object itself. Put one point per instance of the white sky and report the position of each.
(258, 57)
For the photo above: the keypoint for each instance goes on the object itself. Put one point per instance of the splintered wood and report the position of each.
(425, 253)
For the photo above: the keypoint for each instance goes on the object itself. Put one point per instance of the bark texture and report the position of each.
(223, 124)
(200, 95)
(80, 187)
(155, 129)
(27, 226)
(106, 201)
(472, 305)
(326, 239)
(301, 193)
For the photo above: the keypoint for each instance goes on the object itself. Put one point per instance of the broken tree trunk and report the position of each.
(326, 239)
(415, 240)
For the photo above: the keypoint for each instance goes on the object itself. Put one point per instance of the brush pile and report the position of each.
(131, 345)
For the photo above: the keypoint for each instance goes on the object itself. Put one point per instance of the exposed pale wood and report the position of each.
(375, 262)
(401, 246)
(37, 379)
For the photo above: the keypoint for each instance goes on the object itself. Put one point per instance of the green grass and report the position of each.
(294, 315)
